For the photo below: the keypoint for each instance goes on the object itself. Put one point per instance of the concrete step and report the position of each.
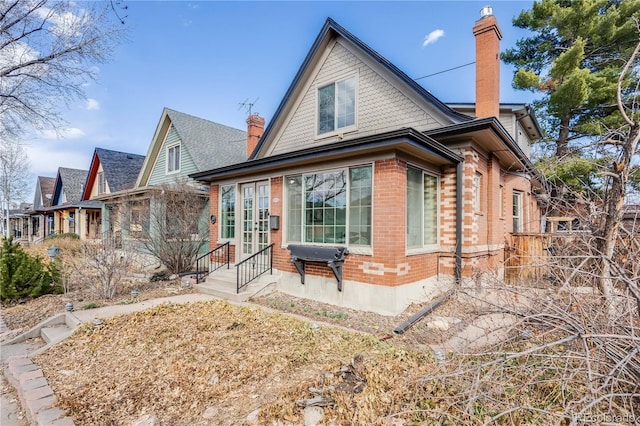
(53, 335)
(222, 284)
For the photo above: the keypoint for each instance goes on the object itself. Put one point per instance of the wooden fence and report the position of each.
(534, 257)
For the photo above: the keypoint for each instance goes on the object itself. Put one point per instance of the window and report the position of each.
(332, 207)
(477, 192)
(228, 211)
(422, 208)
(101, 188)
(173, 158)
(517, 211)
(337, 105)
(501, 201)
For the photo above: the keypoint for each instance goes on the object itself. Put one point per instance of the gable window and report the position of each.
(517, 211)
(228, 211)
(337, 105)
(332, 207)
(422, 208)
(101, 186)
(173, 158)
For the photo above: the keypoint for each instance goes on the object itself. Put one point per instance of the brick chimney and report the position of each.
(488, 37)
(255, 129)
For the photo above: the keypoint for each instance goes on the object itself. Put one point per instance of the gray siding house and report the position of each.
(181, 145)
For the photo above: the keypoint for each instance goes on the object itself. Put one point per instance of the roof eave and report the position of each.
(404, 139)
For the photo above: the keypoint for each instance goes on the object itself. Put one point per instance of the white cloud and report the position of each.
(45, 159)
(68, 133)
(92, 104)
(432, 37)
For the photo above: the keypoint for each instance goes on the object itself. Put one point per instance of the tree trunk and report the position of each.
(613, 206)
(562, 143)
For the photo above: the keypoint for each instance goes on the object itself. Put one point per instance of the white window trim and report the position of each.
(342, 130)
(521, 211)
(166, 158)
(426, 248)
(101, 185)
(355, 249)
(219, 213)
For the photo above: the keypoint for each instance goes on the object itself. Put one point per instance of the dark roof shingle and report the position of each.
(120, 168)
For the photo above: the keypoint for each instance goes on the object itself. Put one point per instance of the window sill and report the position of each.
(336, 133)
(360, 250)
(423, 250)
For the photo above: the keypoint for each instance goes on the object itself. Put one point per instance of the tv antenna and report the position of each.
(248, 105)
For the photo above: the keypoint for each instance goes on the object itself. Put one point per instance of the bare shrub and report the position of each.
(562, 362)
(101, 267)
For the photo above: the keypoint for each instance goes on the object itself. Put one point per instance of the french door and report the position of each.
(255, 217)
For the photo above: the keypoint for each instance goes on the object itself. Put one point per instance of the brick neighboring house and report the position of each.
(181, 144)
(359, 155)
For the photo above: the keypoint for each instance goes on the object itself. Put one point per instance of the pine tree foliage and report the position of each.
(25, 276)
(573, 58)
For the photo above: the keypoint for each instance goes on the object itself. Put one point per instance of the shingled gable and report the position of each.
(208, 144)
(44, 187)
(120, 169)
(71, 181)
(331, 31)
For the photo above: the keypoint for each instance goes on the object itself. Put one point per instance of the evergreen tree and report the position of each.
(573, 59)
(24, 276)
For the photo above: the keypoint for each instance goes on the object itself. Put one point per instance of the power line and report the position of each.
(443, 71)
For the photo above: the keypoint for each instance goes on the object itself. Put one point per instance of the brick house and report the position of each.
(359, 156)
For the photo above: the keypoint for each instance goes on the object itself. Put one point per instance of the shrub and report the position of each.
(23, 275)
(69, 235)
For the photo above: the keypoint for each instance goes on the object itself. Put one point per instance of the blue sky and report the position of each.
(204, 58)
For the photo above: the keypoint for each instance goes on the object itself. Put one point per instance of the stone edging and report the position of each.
(35, 394)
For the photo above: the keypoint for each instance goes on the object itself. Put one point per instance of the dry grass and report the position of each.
(181, 363)
(235, 359)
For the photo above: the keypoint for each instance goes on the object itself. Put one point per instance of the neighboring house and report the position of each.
(39, 221)
(68, 213)
(631, 218)
(182, 144)
(360, 156)
(19, 222)
(110, 172)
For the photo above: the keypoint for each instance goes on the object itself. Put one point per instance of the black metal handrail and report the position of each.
(253, 266)
(212, 261)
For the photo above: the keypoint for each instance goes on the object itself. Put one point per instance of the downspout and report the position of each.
(458, 267)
